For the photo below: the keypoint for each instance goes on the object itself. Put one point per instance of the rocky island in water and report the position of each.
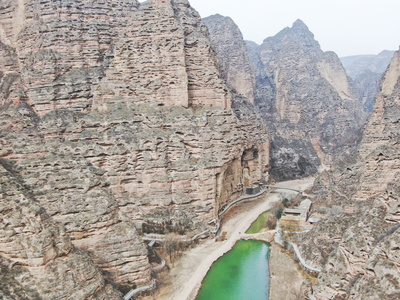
(139, 142)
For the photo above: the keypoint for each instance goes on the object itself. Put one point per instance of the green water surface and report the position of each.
(258, 224)
(241, 274)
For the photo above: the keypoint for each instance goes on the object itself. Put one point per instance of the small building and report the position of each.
(315, 218)
(252, 190)
(305, 205)
(312, 221)
(297, 216)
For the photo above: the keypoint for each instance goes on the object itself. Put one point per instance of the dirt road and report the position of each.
(189, 271)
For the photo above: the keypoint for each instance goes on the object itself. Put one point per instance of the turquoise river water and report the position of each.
(240, 274)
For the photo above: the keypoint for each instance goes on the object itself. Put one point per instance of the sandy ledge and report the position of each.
(185, 278)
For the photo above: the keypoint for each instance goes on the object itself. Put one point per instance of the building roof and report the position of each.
(305, 204)
(292, 211)
(295, 212)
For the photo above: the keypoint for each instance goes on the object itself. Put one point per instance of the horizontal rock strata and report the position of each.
(119, 121)
(38, 259)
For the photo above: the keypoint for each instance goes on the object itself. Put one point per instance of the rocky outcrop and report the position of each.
(157, 52)
(357, 248)
(366, 71)
(310, 104)
(120, 122)
(379, 148)
(364, 264)
(38, 259)
(233, 55)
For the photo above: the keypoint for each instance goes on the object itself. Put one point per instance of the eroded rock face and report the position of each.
(76, 54)
(311, 106)
(38, 259)
(233, 55)
(121, 124)
(358, 251)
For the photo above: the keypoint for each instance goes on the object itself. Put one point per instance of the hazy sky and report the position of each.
(347, 27)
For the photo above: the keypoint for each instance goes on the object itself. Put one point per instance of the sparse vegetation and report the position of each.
(289, 230)
(172, 245)
(167, 220)
(268, 219)
(222, 237)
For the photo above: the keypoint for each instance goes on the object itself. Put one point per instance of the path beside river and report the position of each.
(185, 278)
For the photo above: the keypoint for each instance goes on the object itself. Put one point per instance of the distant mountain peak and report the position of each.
(300, 28)
(216, 16)
(299, 35)
(299, 24)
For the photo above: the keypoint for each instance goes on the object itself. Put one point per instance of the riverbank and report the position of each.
(185, 278)
(286, 277)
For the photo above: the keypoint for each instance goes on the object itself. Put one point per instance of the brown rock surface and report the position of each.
(358, 250)
(121, 124)
(311, 106)
(83, 54)
(366, 71)
(233, 55)
(37, 258)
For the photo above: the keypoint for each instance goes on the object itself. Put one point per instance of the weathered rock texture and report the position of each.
(233, 55)
(358, 250)
(366, 71)
(311, 106)
(38, 260)
(120, 122)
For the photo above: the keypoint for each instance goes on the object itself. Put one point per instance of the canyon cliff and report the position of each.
(357, 245)
(366, 71)
(311, 106)
(115, 121)
(234, 58)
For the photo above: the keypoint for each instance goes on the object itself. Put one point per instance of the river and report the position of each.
(189, 272)
(240, 274)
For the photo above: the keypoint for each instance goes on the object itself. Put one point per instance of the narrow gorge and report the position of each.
(123, 122)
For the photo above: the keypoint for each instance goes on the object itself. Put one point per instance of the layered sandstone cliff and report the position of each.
(38, 260)
(311, 106)
(119, 121)
(233, 55)
(358, 246)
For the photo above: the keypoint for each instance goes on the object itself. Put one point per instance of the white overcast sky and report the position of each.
(348, 27)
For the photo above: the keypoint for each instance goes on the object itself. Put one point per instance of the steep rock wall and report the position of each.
(76, 54)
(309, 103)
(366, 71)
(358, 250)
(38, 259)
(233, 55)
(118, 117)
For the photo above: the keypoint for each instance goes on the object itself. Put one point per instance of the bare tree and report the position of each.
(172, 245)
(270, 221)
(290, 229)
